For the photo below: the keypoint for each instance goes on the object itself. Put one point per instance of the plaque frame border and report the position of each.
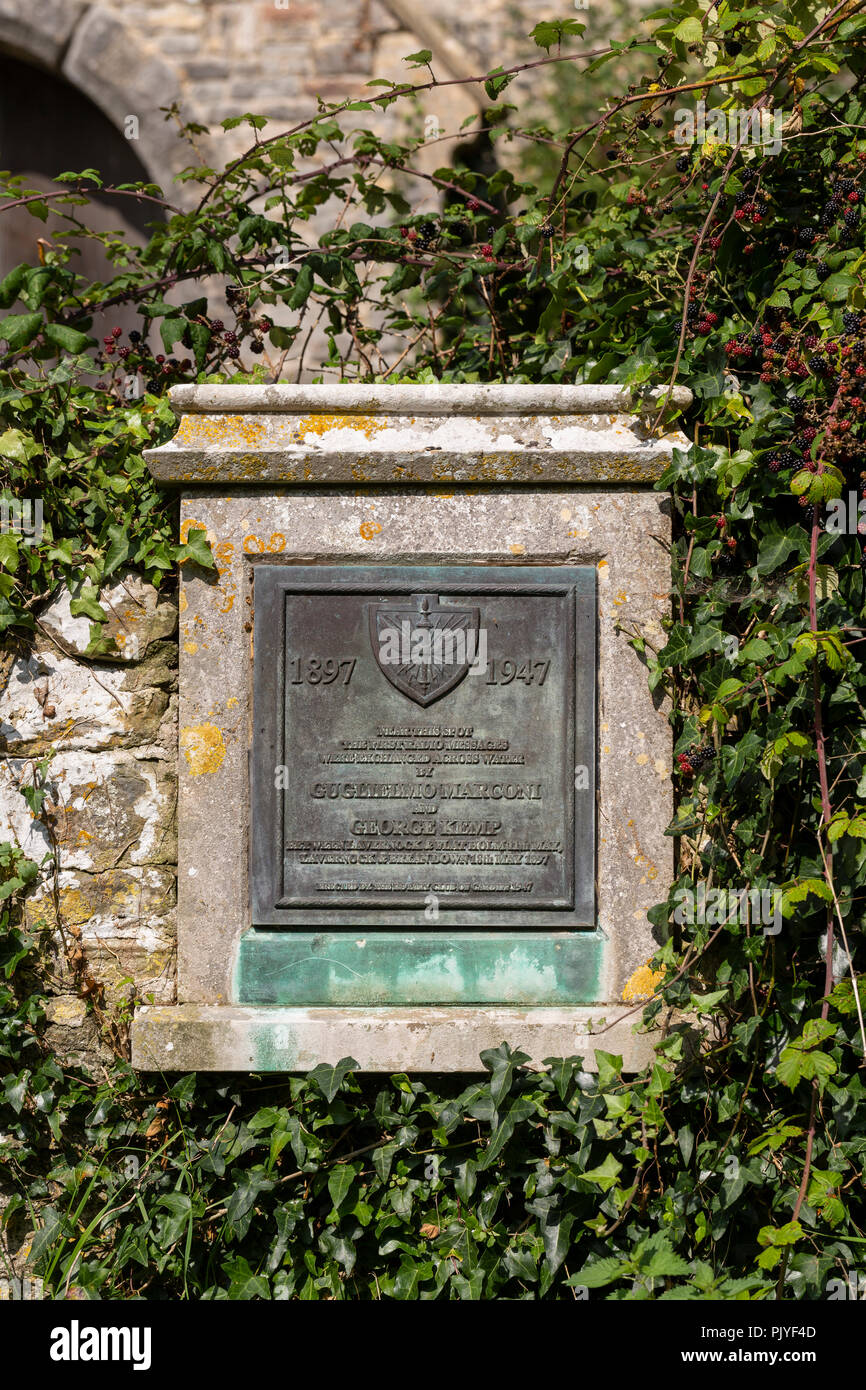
(272, 583)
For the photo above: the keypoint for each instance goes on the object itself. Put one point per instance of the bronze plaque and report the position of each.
(423, 746)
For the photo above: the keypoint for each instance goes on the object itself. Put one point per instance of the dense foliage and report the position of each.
(619, 250)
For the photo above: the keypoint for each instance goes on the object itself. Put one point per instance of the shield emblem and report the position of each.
(423, 649)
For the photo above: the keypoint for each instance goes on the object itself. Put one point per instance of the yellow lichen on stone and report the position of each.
(203, 747)
(368, 425)
(643, 984)
(201, 431)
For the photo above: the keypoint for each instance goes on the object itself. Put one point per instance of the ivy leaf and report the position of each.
(340, 1182)
(605, 1175)
(197, 550)
(118, 549)
(329, 1079)
(243, 1283)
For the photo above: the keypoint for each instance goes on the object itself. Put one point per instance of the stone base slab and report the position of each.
(203, 1037)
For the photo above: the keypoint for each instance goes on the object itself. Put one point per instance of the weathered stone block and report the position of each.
(487, 475)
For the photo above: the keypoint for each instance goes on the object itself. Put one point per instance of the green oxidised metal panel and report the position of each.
(345, 969)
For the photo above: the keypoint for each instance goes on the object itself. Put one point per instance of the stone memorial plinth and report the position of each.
(423, 784)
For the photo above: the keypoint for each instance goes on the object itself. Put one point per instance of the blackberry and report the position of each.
(135, 336)
(852, 217)
(801, 258)
(817, 364)
(692, 312)
(852, 322)
(740, 199)
(806, 236)
(702, 755)
(787, 458)
(257, 346)
(683, 164)
(845, 185)
(233, 351)
(822, 270)
(774, 465)
(545, 232)
(217, 325)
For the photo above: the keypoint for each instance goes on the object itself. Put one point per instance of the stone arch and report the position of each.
(103, 58)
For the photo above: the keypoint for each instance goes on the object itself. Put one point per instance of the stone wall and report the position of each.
(275, 57)
(106, 837)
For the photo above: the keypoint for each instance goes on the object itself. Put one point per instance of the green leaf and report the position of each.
(340, 1182)
(329, 1079)
(8, 551)
(605, 1175)
(118, 550)
(303, 286)
(11, 284)
(171, 330)
(69, 339)
(197, 550)
(20, 329)
(599, 1273)
(689, 31)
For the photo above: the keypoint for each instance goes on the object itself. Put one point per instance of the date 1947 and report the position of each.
(504, 672)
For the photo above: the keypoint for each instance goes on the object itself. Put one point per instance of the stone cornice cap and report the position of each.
(335, 434)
